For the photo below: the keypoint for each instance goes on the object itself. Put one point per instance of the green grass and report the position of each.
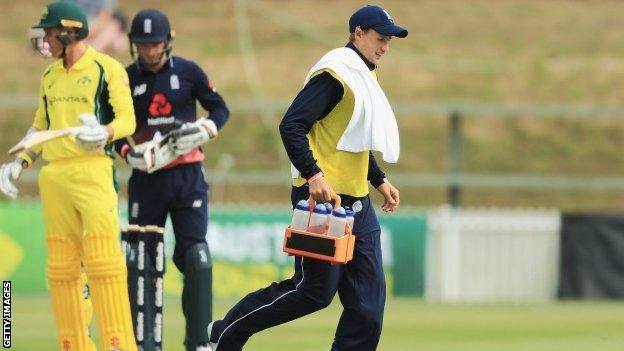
(409, 325)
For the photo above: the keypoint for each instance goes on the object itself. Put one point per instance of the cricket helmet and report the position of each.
(150, 26)
(67, 16)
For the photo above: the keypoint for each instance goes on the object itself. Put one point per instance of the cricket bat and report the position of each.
(37, 138)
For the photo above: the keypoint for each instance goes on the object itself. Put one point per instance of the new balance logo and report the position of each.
(134, 212)
(140, 89)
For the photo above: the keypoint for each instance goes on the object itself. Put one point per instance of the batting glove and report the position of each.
(9, 174)
(192, 135)
(93, 136)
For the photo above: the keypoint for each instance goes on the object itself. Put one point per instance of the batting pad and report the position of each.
(107, 276)
(70, 309)
(144, 249)
(197, 295)
(88, 307)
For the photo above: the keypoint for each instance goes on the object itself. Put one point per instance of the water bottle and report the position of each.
(350, 218)
(318, 220)
(301, 216)
(337, 222)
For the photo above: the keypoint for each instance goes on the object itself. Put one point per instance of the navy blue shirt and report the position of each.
(170, 95)
(313, 103)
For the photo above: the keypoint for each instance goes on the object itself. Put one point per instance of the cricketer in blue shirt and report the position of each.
(165, 89)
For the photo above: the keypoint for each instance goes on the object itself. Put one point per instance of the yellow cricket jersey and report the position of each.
(346, 171)
(96, 84)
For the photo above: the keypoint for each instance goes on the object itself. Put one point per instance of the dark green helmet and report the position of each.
(65, 14)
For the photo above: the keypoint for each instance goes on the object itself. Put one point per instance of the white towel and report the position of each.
(373, 125)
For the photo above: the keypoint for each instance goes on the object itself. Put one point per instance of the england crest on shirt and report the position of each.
(175, 82)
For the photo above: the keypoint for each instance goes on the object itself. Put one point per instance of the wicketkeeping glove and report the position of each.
(136, 160)
(93, 136)
(191, 135)
(9, 174)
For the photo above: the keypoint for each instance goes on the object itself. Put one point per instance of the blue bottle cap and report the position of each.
(320, 208)
(349, 213)
(303, 205)
(339, 212)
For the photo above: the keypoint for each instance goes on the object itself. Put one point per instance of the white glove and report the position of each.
(9, 174)
(136, 160)
(191, 135)
(94, 136)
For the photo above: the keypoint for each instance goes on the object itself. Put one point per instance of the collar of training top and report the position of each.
(166, 66)
(370, 65)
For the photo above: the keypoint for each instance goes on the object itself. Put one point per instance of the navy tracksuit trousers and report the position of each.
(360, 285)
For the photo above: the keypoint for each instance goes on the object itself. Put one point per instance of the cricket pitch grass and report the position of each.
(409, 325)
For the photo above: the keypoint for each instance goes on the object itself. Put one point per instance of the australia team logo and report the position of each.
(84, 80)
(160, 106)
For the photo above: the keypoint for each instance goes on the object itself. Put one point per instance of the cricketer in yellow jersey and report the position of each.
(83, 87)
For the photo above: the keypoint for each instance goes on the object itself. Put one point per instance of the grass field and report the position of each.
(410, 325)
